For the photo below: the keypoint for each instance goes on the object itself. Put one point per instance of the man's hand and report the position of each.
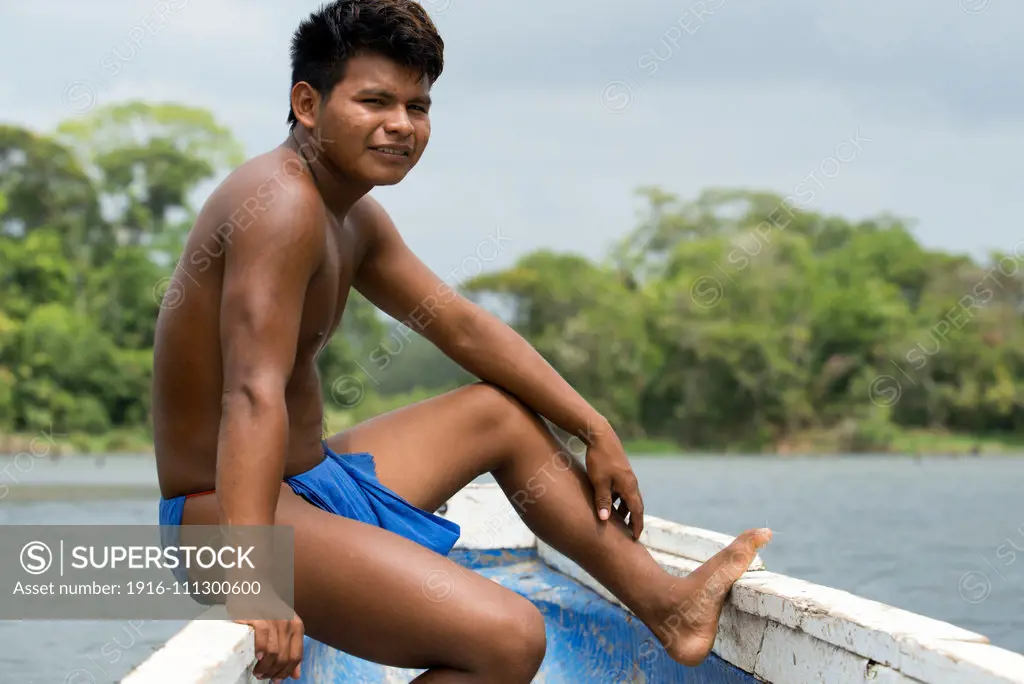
(609, 471)
(278, 646)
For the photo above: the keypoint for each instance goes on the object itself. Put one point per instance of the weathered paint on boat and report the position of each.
(774, 628)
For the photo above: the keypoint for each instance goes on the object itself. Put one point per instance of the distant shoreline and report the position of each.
(911, 443)
(138, 442)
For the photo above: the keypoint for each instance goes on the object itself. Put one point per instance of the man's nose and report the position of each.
(399, 124)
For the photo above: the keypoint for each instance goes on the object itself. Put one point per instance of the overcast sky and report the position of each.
(549, 114)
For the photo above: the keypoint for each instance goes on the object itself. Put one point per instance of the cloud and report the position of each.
(892, 51)
(748, 95)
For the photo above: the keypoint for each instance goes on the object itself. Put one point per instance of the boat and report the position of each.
(774, 628)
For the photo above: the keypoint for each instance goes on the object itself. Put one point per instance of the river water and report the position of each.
(938, 536)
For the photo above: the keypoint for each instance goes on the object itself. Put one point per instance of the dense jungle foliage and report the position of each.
(736, 318)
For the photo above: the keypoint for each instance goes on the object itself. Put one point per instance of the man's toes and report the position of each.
(757, 538)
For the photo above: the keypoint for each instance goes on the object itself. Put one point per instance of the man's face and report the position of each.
(376, 120)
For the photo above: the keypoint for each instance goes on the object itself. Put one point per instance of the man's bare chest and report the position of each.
(329, 289)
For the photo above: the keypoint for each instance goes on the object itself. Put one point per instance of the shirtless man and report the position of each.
(259, 291)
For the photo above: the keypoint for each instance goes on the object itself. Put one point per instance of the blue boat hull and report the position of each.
(588, 638)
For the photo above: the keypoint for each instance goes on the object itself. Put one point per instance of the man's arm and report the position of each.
(267, 269)
(400, 284)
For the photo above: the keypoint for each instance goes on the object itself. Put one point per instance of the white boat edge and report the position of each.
(781, 629)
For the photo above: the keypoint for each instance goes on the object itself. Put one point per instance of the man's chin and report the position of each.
(387, 177)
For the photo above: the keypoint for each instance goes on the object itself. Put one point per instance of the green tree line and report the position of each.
(735, 319)
(743, 318)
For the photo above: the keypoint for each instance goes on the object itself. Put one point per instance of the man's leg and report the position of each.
(364, 591)
(428, 451)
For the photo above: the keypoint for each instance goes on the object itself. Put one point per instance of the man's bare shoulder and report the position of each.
(366, 212)
(370, 220)
(268, 193)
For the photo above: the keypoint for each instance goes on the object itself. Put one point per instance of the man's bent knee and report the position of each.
(500, 410)
(517, 642)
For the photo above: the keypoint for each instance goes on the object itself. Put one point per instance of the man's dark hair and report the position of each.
(398, 29)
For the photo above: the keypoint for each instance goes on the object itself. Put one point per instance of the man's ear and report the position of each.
(306, 103)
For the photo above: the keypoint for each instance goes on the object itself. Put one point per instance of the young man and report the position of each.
(259, 291)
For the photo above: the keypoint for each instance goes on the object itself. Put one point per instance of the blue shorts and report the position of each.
(346, 486)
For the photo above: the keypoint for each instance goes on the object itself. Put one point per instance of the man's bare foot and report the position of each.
(687, 622)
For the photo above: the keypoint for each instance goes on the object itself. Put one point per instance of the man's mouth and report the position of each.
(394, 151)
